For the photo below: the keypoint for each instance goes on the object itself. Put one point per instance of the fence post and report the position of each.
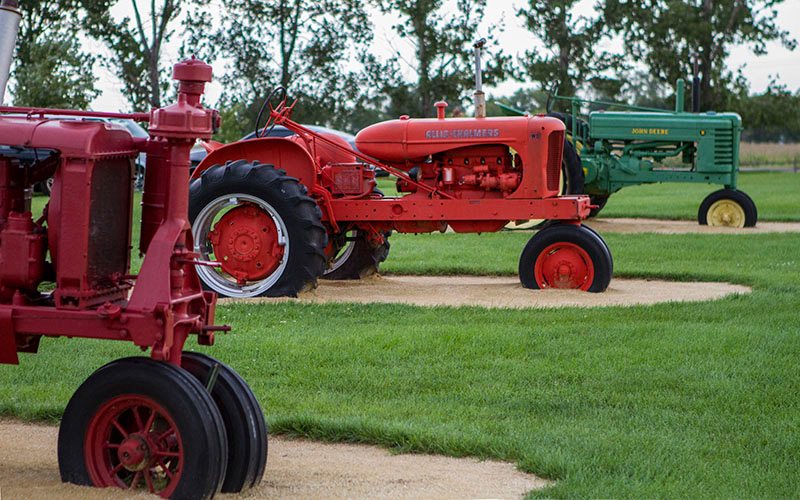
(796, 165)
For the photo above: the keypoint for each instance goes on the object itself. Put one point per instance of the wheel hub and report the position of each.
(134, 452)
(565, 266)
(246, 243)
(726, 213)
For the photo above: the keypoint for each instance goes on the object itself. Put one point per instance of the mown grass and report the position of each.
(776, 195)
(674, 400)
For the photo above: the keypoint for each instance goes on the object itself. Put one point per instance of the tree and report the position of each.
(136, 46)
(773, 115)
(667, 35)
(442, 62)
(51, 69)
(571, 57)
(302, 45)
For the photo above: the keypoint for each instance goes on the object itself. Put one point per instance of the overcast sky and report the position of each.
(779, 62)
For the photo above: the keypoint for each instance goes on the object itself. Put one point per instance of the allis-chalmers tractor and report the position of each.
(178, 424)
(609, 150)
(277, 213)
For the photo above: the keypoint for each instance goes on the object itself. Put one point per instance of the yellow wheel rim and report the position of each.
(726, 213)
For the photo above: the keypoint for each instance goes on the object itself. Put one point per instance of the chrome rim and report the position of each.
(343, 254)
(216, 278)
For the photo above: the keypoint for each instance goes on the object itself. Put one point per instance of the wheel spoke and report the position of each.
(116, 469)
(149, 481)
(135, 480)
(150, 420)
(165, 469)
(138, 418)
(119, 427)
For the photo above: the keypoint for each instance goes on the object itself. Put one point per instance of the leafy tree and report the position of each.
(136, 46)
(667, 35)
(572, 57)
(51, 69)
(773, 115)
(442, 63)
(301, 45)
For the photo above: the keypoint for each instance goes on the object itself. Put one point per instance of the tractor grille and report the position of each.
(723, 148)
(109, 222)
(555, 150)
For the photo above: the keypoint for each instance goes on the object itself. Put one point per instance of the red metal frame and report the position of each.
(88, 228)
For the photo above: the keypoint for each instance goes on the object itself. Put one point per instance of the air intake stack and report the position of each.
(480, 97)
(9, 26)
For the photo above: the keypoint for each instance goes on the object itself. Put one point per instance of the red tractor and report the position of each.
(177, 424)
(278, 213)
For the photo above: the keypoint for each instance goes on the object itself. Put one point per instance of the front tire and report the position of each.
(244, 422)
(144, 425)
(566, 256)
(262, 228)
(728, 208)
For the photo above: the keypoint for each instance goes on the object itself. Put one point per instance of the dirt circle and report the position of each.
(295, 469)
(503, 292)
(684, 227)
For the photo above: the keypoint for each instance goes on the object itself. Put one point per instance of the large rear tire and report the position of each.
(144, 425)
(566, 256)
(261, 226)
(244, 422)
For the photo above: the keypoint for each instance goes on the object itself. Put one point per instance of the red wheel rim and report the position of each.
(246, 243)
(564, 265)
(133, 443)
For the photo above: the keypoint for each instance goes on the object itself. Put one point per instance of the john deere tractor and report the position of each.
(609, 150)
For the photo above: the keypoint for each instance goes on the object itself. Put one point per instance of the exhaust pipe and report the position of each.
(479, 96)
(9, 26)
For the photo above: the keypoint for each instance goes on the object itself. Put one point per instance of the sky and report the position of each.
(515, 39)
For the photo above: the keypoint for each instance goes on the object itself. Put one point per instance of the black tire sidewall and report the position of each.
(740, 197)
(190, 407)
(244, 422)
(590, 242)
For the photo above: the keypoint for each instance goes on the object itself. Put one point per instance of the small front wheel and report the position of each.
(143, 425)
(728, 208)
(566, 256)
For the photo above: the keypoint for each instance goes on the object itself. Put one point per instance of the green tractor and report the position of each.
(606, 151)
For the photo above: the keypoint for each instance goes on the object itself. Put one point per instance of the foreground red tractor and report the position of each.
(277, 213)
(177, 424)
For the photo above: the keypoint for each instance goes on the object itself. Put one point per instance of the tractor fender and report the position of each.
(281, 152)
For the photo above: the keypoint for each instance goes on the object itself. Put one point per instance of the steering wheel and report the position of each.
(551, 97)
(264, 131)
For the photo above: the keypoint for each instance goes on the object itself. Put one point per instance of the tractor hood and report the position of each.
(411, 139)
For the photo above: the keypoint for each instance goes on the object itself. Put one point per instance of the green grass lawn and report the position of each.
(776, 195)
(674, 400)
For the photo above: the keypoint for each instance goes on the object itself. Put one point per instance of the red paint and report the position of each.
(133, 443)
(87, 230)
(564, 265)
(245, 242)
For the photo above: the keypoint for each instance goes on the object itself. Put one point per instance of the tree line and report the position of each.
(320, 51)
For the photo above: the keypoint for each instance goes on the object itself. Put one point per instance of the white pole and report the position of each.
(9, 27)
